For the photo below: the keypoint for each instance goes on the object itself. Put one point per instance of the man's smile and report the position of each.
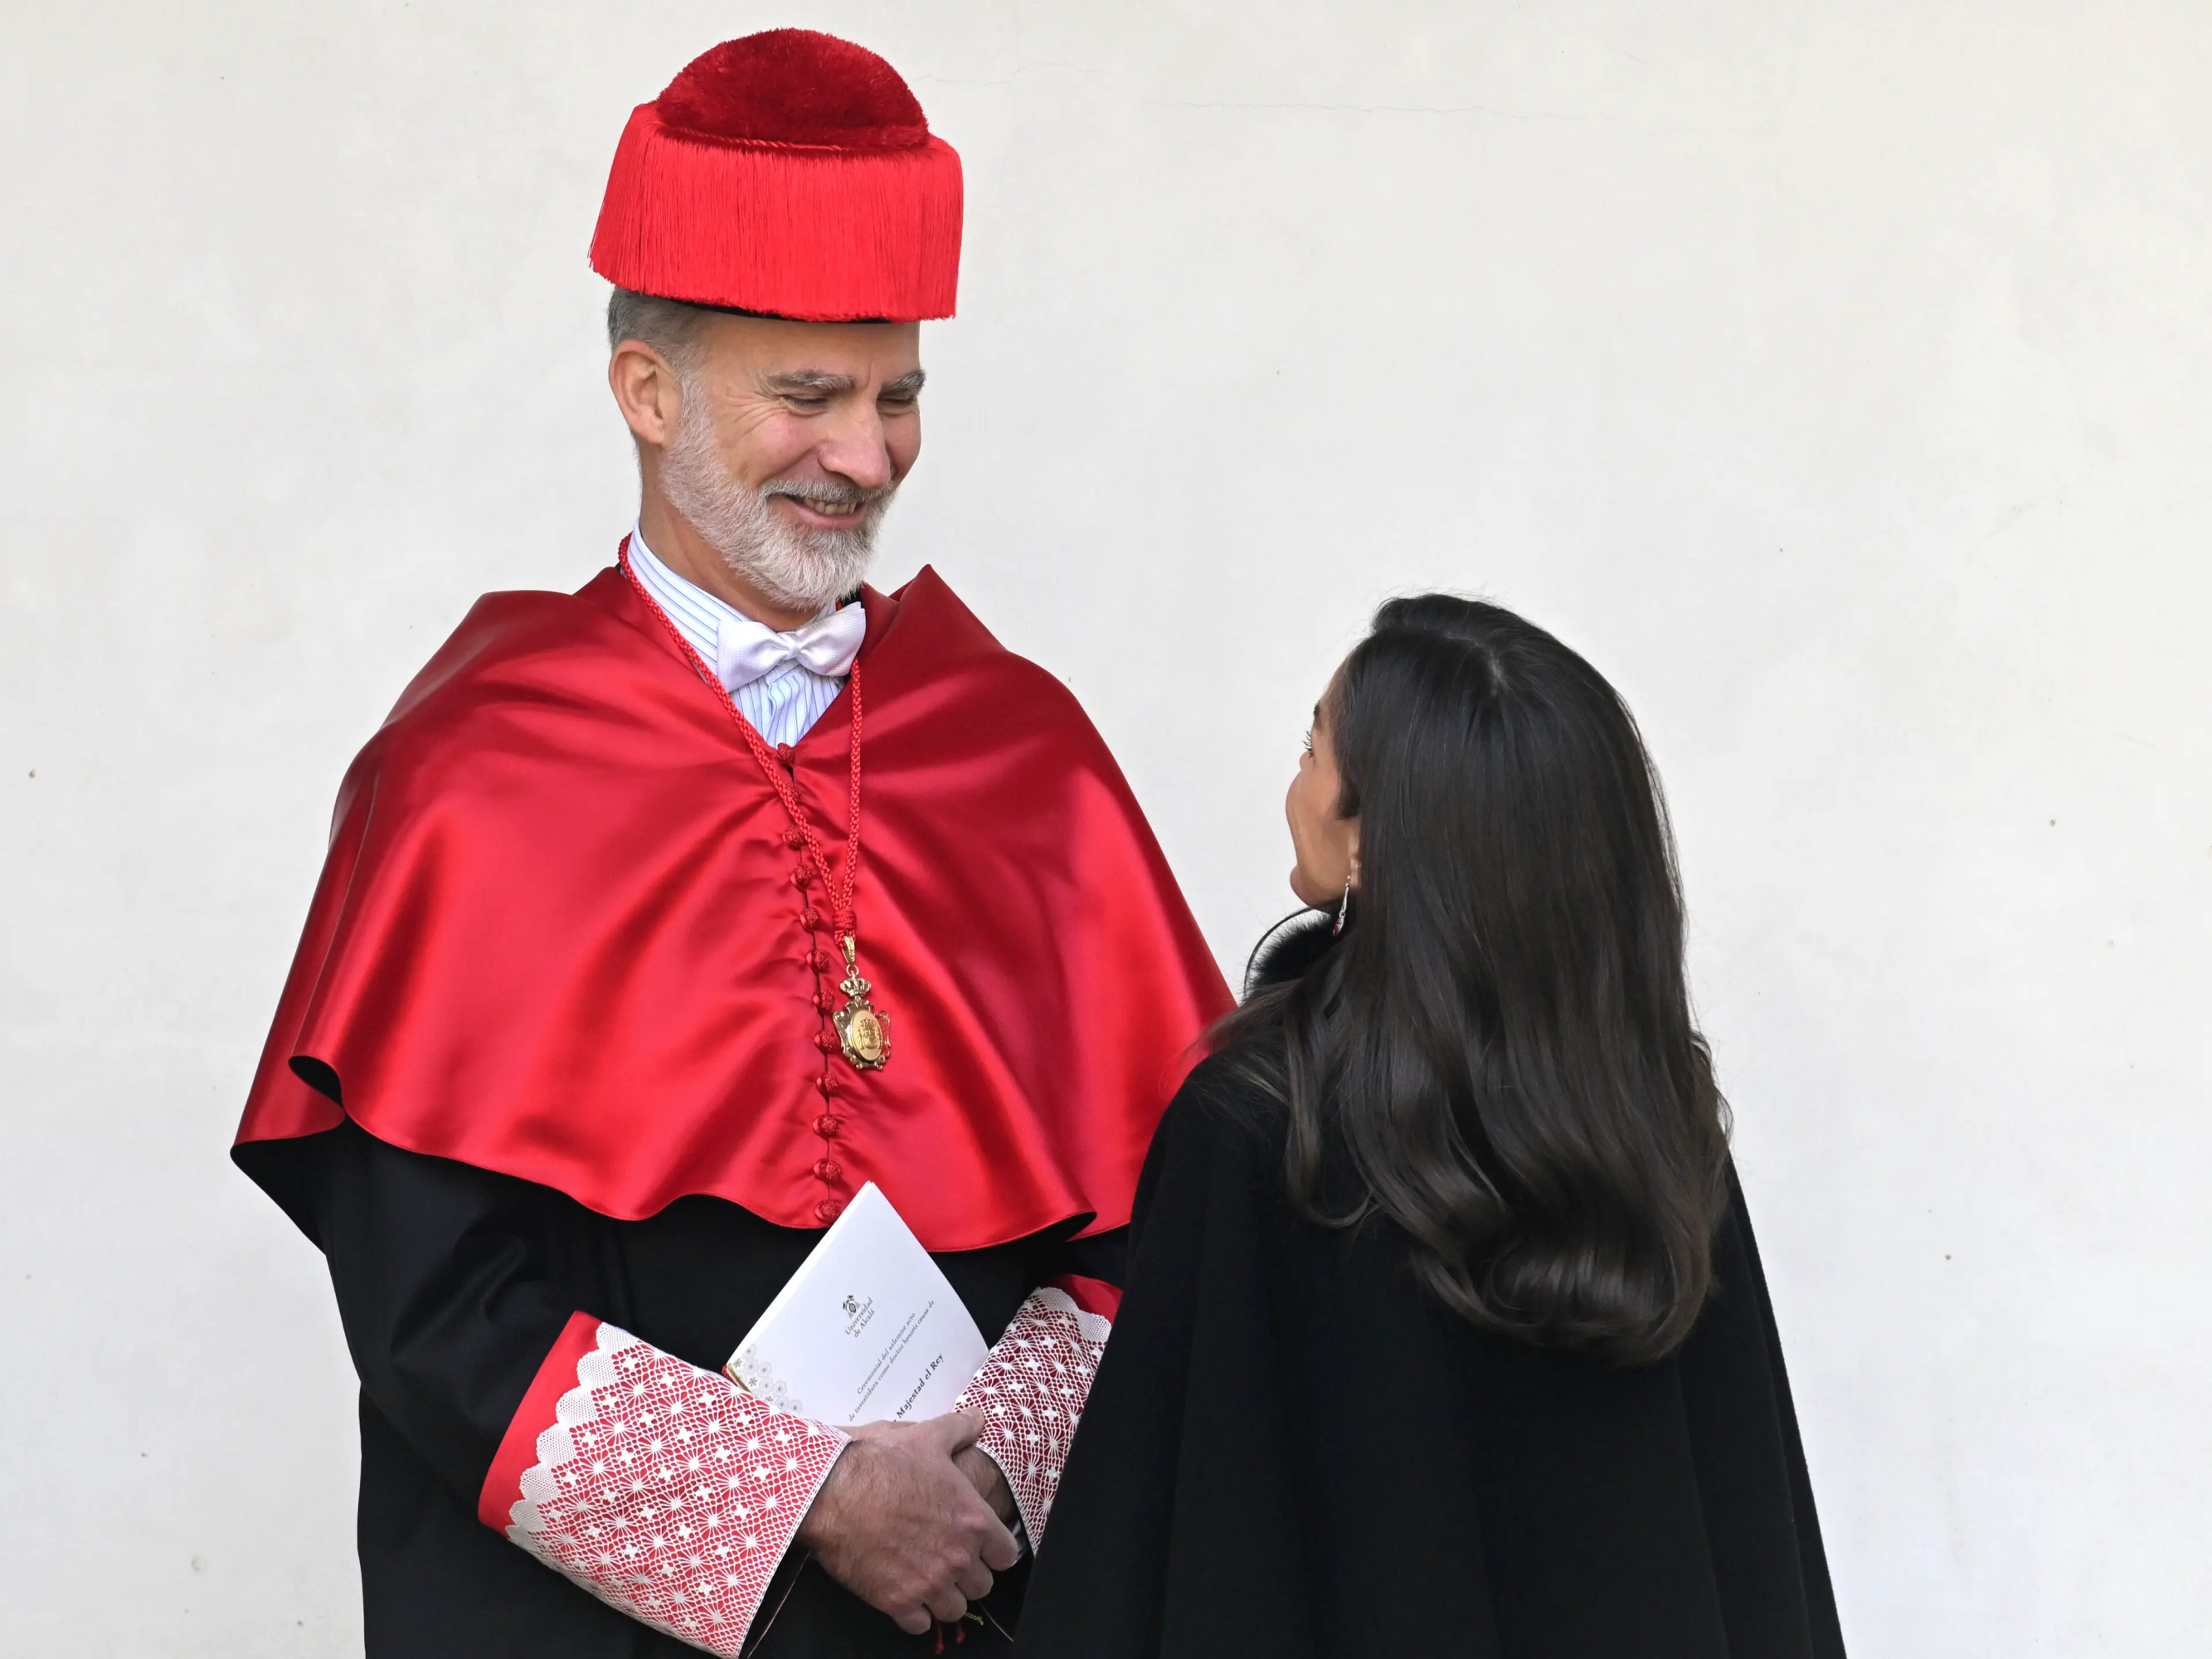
(826, 514)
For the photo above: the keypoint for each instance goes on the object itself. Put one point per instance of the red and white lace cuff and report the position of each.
(664, 1490)
(1033, 1388)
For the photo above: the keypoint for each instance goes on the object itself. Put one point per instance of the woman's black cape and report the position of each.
(1292, 1449)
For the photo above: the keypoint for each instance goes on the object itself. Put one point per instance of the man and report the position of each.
(660, 917)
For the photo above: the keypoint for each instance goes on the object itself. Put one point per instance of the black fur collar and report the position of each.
(1290, 947)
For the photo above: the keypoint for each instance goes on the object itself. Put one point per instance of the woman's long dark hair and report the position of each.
(1502, 1040)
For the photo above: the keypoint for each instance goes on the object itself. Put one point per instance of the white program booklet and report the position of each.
(868, 1329)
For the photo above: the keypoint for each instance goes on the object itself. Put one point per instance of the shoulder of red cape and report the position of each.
(600, 649)
(558, 934)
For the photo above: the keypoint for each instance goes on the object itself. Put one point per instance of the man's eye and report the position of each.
(807, 406)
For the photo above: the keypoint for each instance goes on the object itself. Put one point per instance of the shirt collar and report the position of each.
(715, 628)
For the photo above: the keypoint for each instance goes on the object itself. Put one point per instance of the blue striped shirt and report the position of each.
(784, 703)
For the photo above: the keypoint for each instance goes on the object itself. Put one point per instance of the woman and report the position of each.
(1444, 1330)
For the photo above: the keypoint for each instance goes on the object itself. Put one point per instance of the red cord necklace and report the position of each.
(862, 1031)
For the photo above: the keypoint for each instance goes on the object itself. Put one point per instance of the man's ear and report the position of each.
(646, 392)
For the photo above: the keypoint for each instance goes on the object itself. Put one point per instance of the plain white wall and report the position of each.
(1834, 372)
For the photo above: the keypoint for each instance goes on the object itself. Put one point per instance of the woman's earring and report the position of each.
(1343, 908)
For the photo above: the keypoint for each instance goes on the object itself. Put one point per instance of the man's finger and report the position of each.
(914, 1622)
(999, 1552)
(960, 1430)
(973, 1581)
(949, 1607)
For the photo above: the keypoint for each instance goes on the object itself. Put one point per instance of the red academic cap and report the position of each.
(789, 172)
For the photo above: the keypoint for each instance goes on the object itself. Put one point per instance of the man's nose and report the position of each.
(857, 449)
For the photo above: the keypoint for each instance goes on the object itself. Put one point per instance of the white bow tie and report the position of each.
(744, 650)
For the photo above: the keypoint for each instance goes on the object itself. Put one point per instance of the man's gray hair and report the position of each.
(670, 326)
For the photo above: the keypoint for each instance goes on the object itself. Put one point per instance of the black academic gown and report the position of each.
(452, 1283)
(1292, 1449)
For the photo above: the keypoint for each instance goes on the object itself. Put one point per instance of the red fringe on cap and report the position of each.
(815, 233)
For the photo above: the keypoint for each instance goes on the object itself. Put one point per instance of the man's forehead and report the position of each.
(852, 352)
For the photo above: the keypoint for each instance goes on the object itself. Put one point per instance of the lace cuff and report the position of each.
(665, 1491)
(1032, 1389)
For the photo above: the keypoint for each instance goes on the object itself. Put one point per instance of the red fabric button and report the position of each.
(818, 960)
(827, 1210)
(827, 1126)
(793, 839)
(810, 920)
(826, 1042)
(828, 1169)
(783, 753)
(827, 1084)
(801, 876)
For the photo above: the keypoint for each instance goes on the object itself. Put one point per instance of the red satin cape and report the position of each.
(557, 935)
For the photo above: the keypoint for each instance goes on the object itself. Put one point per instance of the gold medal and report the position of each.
(865, 1033)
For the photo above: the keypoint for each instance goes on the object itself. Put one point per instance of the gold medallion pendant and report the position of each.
(865, 1033)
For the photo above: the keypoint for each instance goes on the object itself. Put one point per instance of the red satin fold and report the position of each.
(557, 935)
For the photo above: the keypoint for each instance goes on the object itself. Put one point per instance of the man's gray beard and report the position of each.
(791, 566)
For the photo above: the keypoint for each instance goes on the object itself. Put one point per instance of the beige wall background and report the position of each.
(1832, 372)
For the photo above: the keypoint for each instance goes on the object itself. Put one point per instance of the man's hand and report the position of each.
(899, 1525)
(989, 1480)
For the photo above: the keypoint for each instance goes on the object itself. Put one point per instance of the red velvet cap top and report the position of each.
(794, 86)
(788, 173)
